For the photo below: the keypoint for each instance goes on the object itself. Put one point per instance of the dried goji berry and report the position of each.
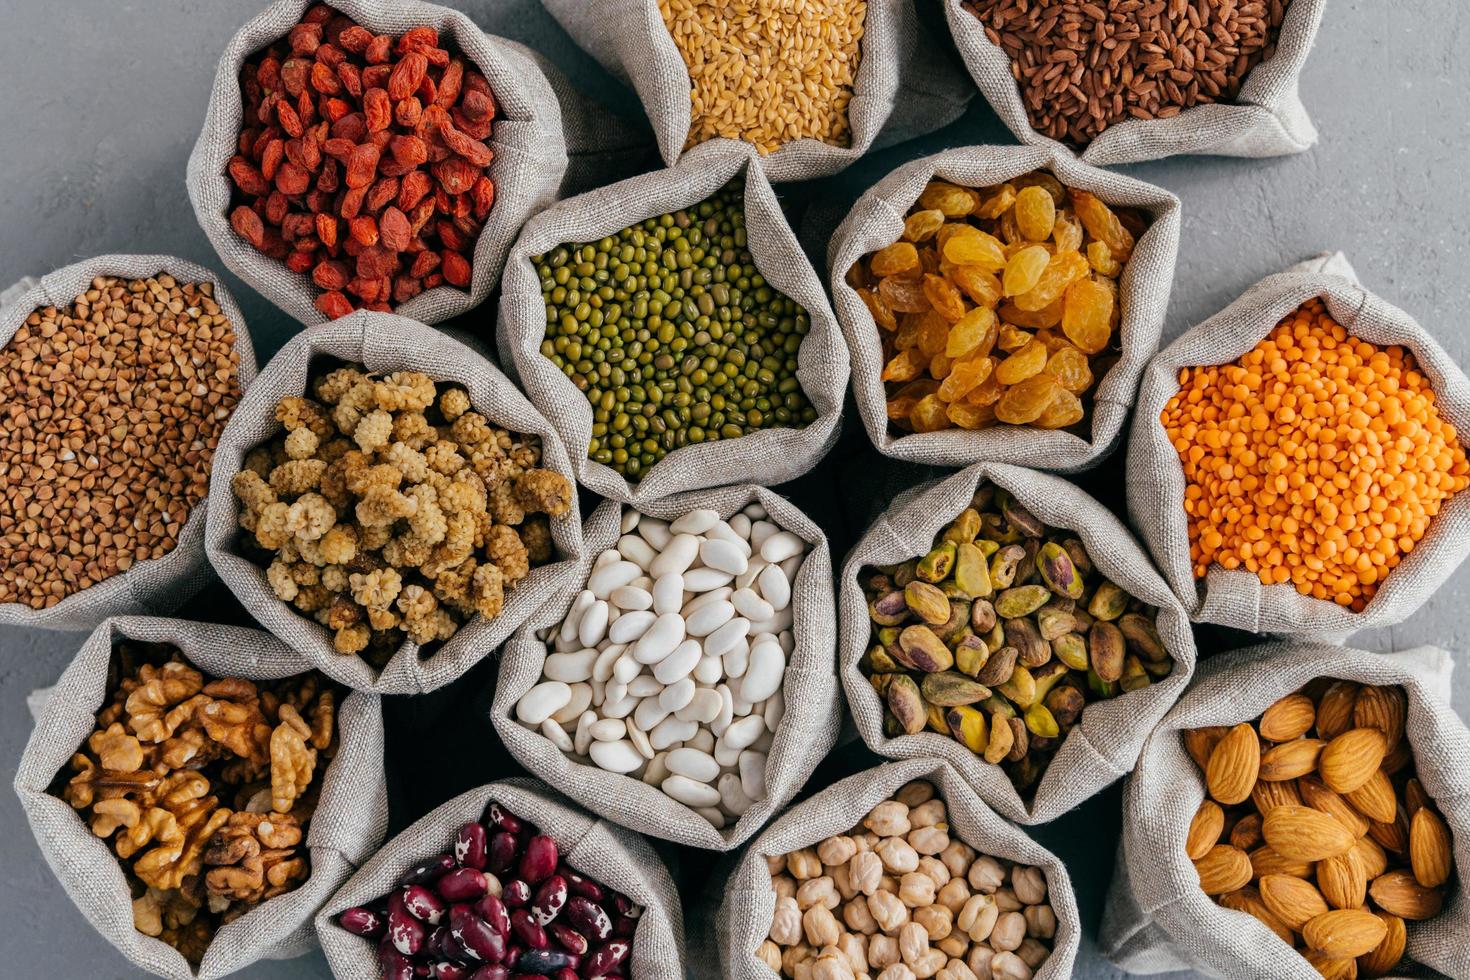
(428, 91)
(474, 128)
(407, 75)
(324, 80)
(294, 75)
(351, 204)
(376, 109)
(326, 230)
(300, 261)
(305, 110)
(382, 192)
(330, 55)
(351, 78)
(375, 261)
(412, 188)
(276, 205)
(449, 235)
(456, 268)
(477, 153)
(431, 281)
(334, 109)
(247, 225)
(334, 304)
(389, 167)
(289, 119)
(408, 150)
(329, 179)
(376, 76)
(247, 177)
(394, 230)
(364, 229)
(478, 106)
(455, 175)
(417, 39)
(425, 263)
(362, 166)
(350, 127)
(291, 179)
(304, 38)
(420, 215)
(319, 14)
(338, 148)
(408, 112)
(355, 39)
(406, 288)
(451, 83)
(268, 73)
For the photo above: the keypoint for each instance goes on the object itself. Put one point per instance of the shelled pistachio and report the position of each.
(1001, 634)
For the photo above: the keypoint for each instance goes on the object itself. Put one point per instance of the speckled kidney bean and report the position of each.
(471, 845)
(428, 872)
(584, 886)
(363, 922)
(405, 932)
(503, 851)
(550, 898)
(567, 938)
(500, 818)
(494, 971)
(462, 885)
(423, 904)
(606, 958)
(492, 910)
(539, 860)
(588, 919)
(528, 930)
(473, 933)
(445, 970)
(546, 961)
(516, 894)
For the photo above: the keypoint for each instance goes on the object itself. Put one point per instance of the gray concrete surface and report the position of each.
(103, 99)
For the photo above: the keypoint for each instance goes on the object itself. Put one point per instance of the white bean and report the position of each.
(640, 742)
(657, 771)
(626, 668)
(724, 532)
(630, 626)
(751, 606)
(580, 700)
(573, 619)
(666, 633)
(615, 573)
(774, 710)
(636, 550)
(760, 530)
(629, 520)
(677, 556)
(677, 665)
(705, 579)
(695, 522)
(645, 686)
(775, 587)
(677, 695)
(709, 617)
(694, 764)
(736, 660)
(620, 756)
(713, 815)
(755, 511)
(557, 735)
(655, 532)
(621, 708)
(764, 674)
(670, 732)
(709, 670)
(703, 740)
(582, 740)
(732, 796)
(602, 669)
(668, 593)
(649, 714)
(542, 701)
(570, 667)
(753, 774)
(727, 636)
(690, 792)
(608, 729)
(631, 598)
(721, 554)
(703, 707)
(743, 732)
(740, 524)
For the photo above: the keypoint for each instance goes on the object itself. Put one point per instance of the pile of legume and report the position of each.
(1317, 459)
(998, 304)
(768, 73)
(674, 335)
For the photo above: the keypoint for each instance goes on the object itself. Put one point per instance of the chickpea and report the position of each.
(804, 969)
(986, 874)
(776, 863)
(957, 857)
(804, 864)
(935, 869)
(854, 950)
(929, 840)
(916, 890)
(929, 964)
(770, 954)
(937, 921)
(954, 895)
(1009, 966)
(784, 886)
(898, 855)
(864, 872)
(888, 911)
(978, 917)
(1029, 884)
(786, 922)
(882, 951)
(1007, 900)
(841, 881)
(1009, 931)
(897, 971)
(865, 841)
(817, 891)
(956, 944)
(836, 850)
(913, 942)
(918, 792)
(930, 814)
(888, 819)
(831, 968)
(955, 969)
(794, 956)
(1041, 921)
(979, 959)
(821, 926)
(1032, 952)
(858, 918)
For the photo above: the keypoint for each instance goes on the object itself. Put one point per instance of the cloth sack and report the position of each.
(876, 220)
(1266, 119)
(1105, 742)
(529, 166)
(607, 853)
(384, 342)
(1156, 918)
(348, 825)
(1156, 479)
(743, 921)
(769, 456)
(807, 731)
(160, 585)
(906, 83)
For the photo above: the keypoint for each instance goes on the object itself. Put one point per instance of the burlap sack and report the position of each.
(769, 456)
(744, 917)
(383, 342)
(607, 853)
(813, 703)
(1157, 919)
(162, 584)
(530, 150)
(348, 825)
(1156, 479)
(876, 220)
(1105, 743)
(1267, 118)
(907, 84)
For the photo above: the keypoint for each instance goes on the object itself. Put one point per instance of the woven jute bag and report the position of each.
(1266, 119)
(768, 456)
(906, 83)
(349, 823)
(604, 852)
(529, 166)
(876, 220)
(744, 918)
(159, 585)
(1156, 918)
(807, 731)
(383, 342)
(1156, 478)
(1105, 742)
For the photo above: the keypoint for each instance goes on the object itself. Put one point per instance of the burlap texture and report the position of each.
(1266, 119)
(876, 220)
(383, 342)
(769, 456)
(530, 150)
(813, 701)
(162, 584)
(1156, 479)
(1156, 918)
(906, 83)
(348, 825)
(600, 850)
(1106, 741)
(744, 917)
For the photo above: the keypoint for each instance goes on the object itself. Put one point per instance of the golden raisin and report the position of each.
(921, 225)
(882, 315)
(944, 297)
(1025, 400)
(954, 202)
(1102, 224)
(1069, 366)
(929, 415)
(905, 366)
(964, 376)
(1024, 363)
(895, 260)
(903, 295)
(973, 333)
(968, 416)
(1024, 270)
(1087, 313)
(998, 203)
(979, 284)
(1063, 410)
(1061, 271)
(968, 245)
(1036, 213)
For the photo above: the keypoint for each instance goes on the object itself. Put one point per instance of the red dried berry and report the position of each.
(376, 109)
(334, 304)
(247, 177)
(362, 165)
(407, 75)
(247, 225)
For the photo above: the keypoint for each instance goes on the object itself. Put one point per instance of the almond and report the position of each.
(1200, 742)
(1248, 900)
(1383, 708)
(1351, 758)
(1342, 881)
(1316, 795)
(1330, 968)
(1429, 849)
(1289, 718)
(1382, 961)
(1290, 760)
(1246, 834)
(1204, 830)
(1223, 869)
(1304, 834)
(1394, 835)
(1399, 757)
(1374, 799)
(1399, 893)
(1267, 796)
(1415, 798)
(1294, 901)
(1371, 857)
(1335, 710)
(1265, 861)
(1345, 933)
(1234, 765)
